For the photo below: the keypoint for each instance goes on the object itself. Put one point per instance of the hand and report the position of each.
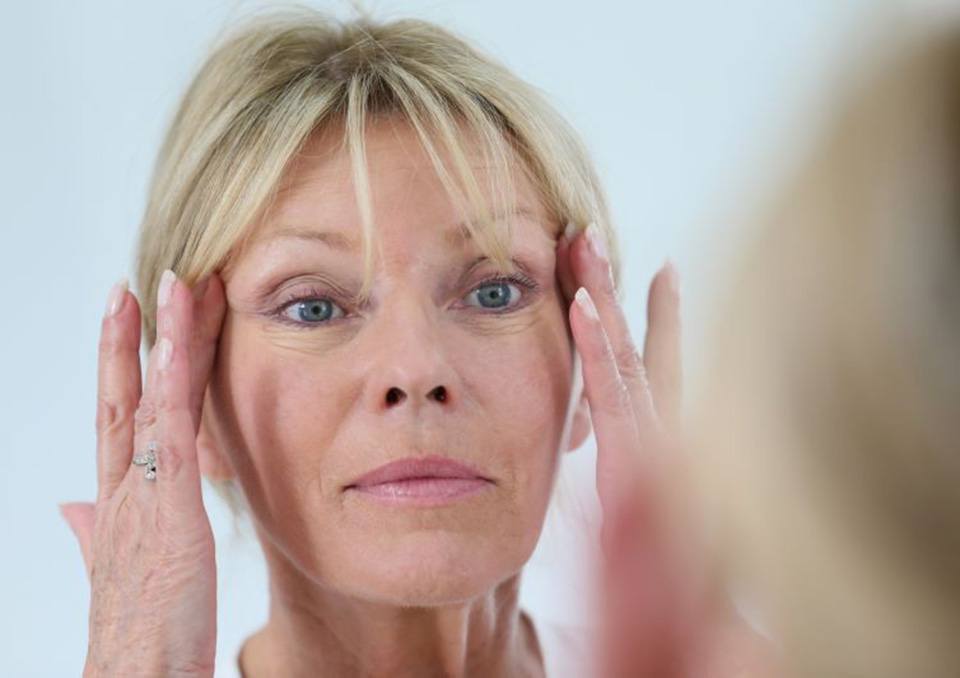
(147, 544)
(662, 616)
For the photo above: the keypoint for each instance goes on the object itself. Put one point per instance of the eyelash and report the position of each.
(525, 282)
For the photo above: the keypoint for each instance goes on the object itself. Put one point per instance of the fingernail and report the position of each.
(595, 239)
(673, 277)
(570, 230)
(166, 285)
(586, 303)
(164, 353)
(116, 296)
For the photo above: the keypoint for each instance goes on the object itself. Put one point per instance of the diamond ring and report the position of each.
(148, 459)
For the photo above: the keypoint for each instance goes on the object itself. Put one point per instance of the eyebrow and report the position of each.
(457, 236)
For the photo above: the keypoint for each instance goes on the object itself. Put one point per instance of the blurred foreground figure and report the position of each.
(822, 474)
(830, 445)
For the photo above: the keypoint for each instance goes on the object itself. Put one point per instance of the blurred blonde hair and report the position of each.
(277, 78)
(831, 423)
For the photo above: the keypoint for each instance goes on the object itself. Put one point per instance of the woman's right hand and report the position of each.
(147, 544)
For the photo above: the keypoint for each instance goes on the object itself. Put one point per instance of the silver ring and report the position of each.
(148, 459)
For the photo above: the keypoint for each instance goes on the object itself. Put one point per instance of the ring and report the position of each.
(148, 459)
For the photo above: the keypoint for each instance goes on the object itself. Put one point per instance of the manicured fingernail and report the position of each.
(586, 303)
(166, 285)
(116, 297)
(595, 238)
(164, 353)
(570, 230)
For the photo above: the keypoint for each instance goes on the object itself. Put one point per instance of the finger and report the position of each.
(592, 269)
(79, 518)
(178, 476)
(611, 406)
(210, 307)
(118, 387)
(565, 277)
(661, 350)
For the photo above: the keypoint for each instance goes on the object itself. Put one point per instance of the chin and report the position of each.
(430, 569)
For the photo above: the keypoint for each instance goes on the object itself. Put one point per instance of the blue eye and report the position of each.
(311, 311)
(497, 293)
(314, 309)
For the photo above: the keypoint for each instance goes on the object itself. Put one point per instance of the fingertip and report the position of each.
(670, 276)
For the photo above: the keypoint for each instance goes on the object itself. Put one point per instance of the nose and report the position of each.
(396, 395)
(408, 366)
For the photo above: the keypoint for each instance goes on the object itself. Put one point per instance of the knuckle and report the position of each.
(630, 362)
(169, 459)
(617, 397)
(146, 414)
(111, 415)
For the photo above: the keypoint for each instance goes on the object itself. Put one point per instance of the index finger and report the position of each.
(118, 387)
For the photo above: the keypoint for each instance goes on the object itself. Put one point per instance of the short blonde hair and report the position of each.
(281, 76)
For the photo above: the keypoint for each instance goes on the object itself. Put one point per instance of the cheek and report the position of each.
(524, 377)
(521, 389)
(285, 408)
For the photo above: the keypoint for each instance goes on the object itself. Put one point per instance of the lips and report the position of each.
(417, 468)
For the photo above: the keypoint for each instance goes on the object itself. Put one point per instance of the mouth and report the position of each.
(420, 481)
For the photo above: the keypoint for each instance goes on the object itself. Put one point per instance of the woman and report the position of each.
(359, 308)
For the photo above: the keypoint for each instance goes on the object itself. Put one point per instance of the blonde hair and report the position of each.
(282, 76)
(278, 78)
(831, 427)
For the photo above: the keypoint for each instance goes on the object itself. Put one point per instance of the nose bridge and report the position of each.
(407, 367)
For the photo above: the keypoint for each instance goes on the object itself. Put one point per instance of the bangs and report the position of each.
(280, 79)
(460, 136)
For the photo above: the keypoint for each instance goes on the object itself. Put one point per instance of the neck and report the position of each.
(313, 631)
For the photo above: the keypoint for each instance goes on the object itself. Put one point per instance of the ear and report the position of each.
(214, 464)
(582, 425)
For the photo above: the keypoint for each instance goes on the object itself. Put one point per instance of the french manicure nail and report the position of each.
(595, 238)
(586, 303)
(166, 285)
(116, 296)
(164, 353)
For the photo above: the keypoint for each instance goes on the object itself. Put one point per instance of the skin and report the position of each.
(295, 414)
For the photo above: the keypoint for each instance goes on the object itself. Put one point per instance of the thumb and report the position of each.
(79, 517)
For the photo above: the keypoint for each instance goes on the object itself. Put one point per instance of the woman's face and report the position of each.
(309, 395)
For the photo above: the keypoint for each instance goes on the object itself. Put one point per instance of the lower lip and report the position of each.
(424, 491)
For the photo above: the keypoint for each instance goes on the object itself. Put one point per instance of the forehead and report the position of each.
(318, 192)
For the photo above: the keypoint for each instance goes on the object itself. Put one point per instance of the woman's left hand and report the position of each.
(661, 614)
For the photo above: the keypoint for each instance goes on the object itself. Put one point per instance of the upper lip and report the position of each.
(417, 467)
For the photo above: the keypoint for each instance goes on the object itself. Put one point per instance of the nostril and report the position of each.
(440, 393)
(394, 395)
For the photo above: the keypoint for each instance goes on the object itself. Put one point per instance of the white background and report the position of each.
(689, 107)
